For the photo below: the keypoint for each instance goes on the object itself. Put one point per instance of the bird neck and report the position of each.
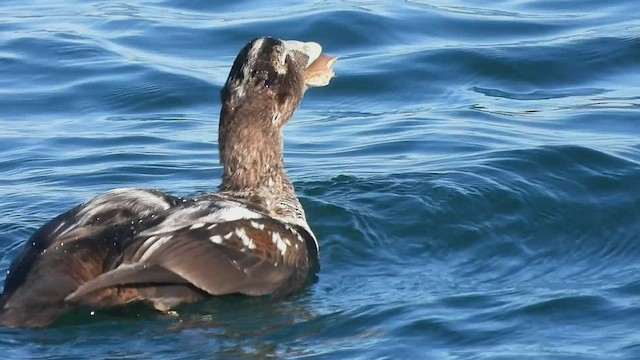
(251, 151)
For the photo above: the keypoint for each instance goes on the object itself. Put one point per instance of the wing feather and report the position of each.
(248, 256)
(72, 249)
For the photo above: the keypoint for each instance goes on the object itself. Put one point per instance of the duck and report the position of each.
(130, 245)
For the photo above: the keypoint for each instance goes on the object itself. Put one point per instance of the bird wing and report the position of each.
(219, 247)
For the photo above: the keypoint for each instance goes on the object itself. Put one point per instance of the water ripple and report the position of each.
(471, 172)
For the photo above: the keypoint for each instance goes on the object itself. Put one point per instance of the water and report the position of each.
(473, 173)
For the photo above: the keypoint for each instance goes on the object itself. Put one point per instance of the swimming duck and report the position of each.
(137, 245)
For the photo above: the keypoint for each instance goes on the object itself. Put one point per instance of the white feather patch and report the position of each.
(155, 246)
(280, 244)
(216, 239)
(140, 201)
(232, 214)
(257, 225)
(246, 240)
(186, 217)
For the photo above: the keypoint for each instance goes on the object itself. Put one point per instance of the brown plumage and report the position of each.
(131, 245)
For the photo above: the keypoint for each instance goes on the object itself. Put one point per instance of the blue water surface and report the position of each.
(472, 173)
